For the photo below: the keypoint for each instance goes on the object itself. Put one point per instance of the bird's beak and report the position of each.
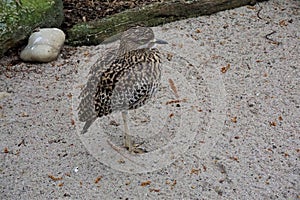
(158, 41)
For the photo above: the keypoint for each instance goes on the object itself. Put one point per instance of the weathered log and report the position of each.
(94, 32)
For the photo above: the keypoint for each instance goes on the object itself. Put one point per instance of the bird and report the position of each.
(123, 80)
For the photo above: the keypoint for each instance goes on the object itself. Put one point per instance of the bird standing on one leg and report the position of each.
(131, 79)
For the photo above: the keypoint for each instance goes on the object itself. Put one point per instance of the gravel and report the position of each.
(233, 135)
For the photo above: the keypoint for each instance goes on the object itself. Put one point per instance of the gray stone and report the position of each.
(44, 45)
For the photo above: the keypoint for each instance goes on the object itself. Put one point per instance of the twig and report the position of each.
(273, 41)
(258, 13)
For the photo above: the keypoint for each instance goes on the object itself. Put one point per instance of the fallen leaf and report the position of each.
(235, 158)
(173, 87)
(54, 178)
(98, 179)
(6, 150)
(272, 123)
(145, 183)
(283, 23)
(154, 190)
(225, 68)
(234, 119)
(195, 171)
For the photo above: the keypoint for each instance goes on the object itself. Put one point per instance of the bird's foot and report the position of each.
(135, 148)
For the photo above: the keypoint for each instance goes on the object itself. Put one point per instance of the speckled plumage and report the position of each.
(128, 83)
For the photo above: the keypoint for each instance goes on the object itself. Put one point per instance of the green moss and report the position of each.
(18, 18)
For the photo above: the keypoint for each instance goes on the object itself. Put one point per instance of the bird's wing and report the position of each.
(86, 108)
(134, 87)
(141, 94)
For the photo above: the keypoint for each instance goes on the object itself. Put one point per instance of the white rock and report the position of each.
(44, 45)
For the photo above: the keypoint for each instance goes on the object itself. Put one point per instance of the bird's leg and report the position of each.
(128, 143)
(127, 137)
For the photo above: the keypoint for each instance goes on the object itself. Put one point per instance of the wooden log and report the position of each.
(94, 32)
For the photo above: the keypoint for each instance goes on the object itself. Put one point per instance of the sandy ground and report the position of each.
(235, 133)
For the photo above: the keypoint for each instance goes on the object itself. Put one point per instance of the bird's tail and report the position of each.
(86, 108)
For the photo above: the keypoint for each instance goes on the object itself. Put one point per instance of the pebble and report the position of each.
(3, 95)
(44, 45)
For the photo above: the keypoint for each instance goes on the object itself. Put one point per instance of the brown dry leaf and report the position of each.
(145, 183)
(235, 158)
(234, 119)
(171, 115)
(60, 184)
(6, 150)
(171, 183)
(225, 68)
(98, 179)
(54, 178)
(72, 121)
(204, 168)
(272, 123)
(280, 118)
(283, 23)
(195, 171)
(198, 31)
(173, 87)
(154, 190)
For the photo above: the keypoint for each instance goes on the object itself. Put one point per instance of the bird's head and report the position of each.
(138, 38)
